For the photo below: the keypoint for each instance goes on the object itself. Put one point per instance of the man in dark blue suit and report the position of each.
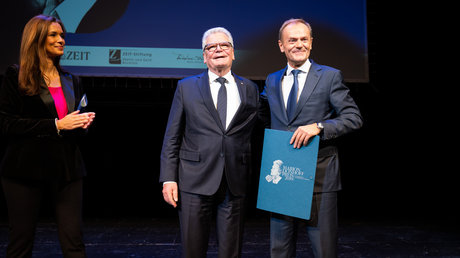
(309, 99)
(205, 160)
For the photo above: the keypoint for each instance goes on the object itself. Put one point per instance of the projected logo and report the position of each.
(114, 56)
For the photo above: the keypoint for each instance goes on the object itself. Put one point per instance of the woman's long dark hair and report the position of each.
(33, 56)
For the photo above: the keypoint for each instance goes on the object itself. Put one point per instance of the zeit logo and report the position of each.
(76, 55)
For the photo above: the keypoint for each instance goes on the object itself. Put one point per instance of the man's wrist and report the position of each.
(320, 126)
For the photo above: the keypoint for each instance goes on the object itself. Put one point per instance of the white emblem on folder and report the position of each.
(275, 172)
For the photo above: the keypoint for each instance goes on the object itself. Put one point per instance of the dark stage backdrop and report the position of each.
(144, 38)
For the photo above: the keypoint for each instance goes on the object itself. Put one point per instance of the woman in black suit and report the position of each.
(40, 120)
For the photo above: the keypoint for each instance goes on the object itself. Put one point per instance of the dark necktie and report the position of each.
(222, 101)
(292, 99)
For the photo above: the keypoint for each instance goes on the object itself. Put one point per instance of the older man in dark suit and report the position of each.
(309, 99)
(205, 160)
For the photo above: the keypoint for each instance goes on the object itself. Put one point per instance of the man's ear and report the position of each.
(280, 44)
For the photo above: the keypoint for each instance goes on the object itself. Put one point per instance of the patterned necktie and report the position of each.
(292, 99)
(222, 101)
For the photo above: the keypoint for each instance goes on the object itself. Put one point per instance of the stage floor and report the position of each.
(161, 238)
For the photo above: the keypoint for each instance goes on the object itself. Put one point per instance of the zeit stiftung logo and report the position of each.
(114, 56)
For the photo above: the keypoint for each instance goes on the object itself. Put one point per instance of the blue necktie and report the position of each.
(292, 99)
(222, 101)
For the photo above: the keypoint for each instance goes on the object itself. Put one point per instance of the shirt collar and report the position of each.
(304, 68)
(212, 76)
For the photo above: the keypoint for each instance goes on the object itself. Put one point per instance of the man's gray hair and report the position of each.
(216, 30)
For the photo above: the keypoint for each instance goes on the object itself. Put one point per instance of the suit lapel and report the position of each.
(277, 96)
(242, 90)
(47, 99)
(279, 82)
(312, 80)
(203, 86)
(67, 88)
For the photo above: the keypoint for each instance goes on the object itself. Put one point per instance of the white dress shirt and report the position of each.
(288, 80)
(233, 95)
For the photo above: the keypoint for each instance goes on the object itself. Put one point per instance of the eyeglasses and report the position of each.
(213, 46)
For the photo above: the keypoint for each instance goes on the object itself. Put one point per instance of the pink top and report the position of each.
(59, 101)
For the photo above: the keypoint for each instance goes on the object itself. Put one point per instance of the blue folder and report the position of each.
(287, 175)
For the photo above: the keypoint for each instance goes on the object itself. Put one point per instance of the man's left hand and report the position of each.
(303, 133)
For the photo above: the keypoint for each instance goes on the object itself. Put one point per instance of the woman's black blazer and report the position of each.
(34, 149)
